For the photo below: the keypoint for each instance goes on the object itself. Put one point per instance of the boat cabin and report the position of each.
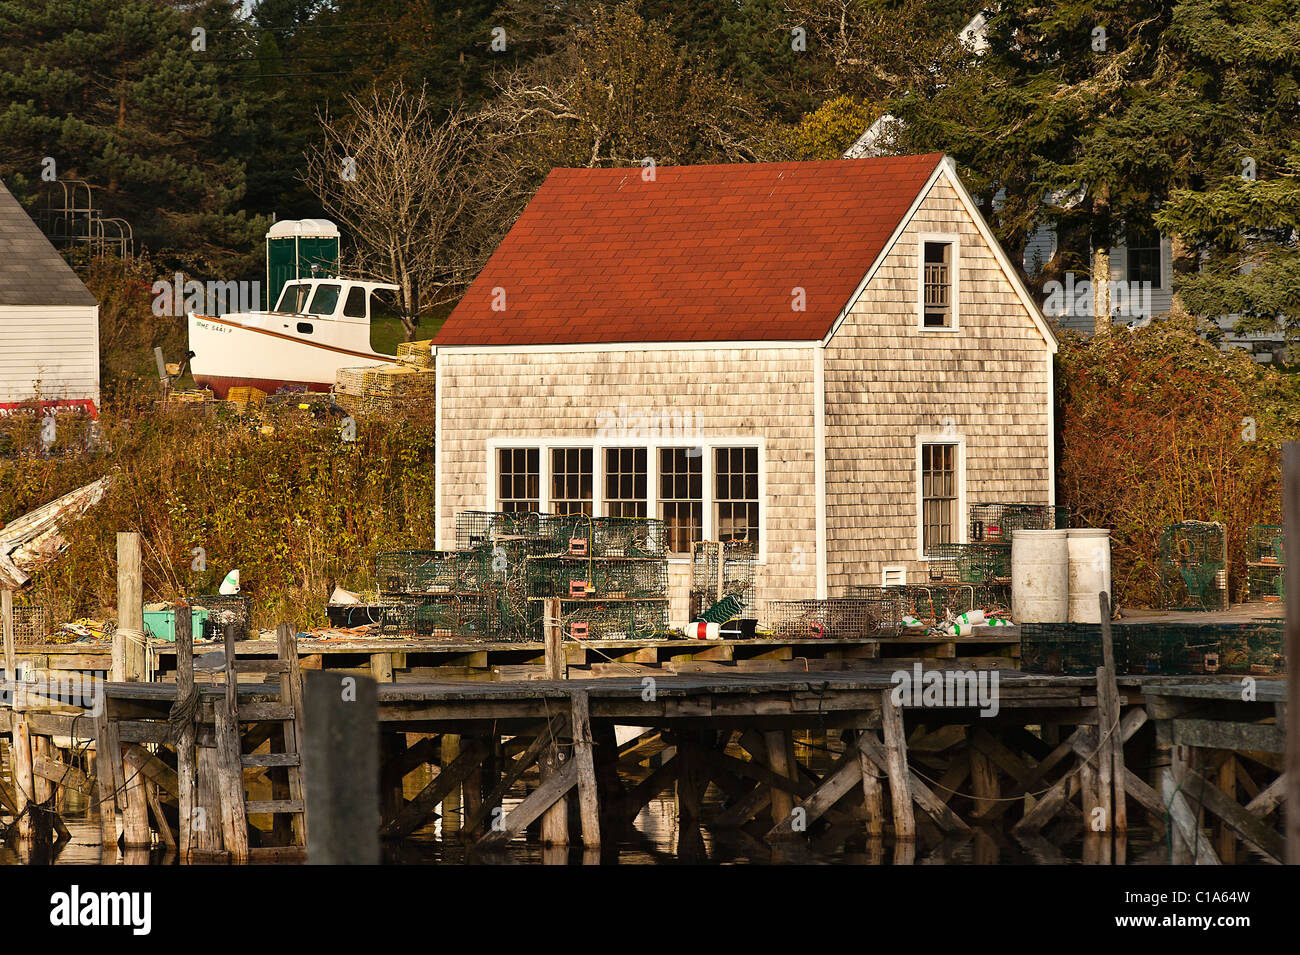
(334, 311)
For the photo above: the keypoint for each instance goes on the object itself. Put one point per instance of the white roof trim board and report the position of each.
(947, 169)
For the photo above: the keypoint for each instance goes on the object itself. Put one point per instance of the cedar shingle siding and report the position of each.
(887, 382)
(765, 393)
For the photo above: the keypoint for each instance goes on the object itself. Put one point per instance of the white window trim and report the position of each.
(493, 445)
(954, 240)
(963, 524)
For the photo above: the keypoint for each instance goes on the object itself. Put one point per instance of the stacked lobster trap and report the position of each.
(1192, 564)
(609, 573)
(1265, 563)
(722, 571)
(986, 560)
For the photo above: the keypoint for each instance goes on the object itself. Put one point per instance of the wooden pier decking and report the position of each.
(414, 659)
(910, 773)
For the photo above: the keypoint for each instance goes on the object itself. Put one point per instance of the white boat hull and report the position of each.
(228, 353)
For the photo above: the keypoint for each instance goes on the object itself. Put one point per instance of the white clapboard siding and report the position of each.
(50, 352)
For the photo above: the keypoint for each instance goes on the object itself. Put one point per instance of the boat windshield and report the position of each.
(294, 298)
(325, 301)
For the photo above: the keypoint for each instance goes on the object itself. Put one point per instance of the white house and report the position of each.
(49, 321)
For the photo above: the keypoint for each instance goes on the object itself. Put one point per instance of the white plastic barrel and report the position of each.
(1040, 576)
(1089, 572)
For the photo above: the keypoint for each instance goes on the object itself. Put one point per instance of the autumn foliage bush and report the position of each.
(1155, 426)
(280, 496)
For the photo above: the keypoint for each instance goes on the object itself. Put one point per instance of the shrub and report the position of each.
(281, 496)
(1153, 429)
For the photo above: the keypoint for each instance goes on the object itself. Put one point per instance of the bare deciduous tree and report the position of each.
(421, 196)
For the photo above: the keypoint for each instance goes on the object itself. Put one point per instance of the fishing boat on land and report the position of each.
(318, 326)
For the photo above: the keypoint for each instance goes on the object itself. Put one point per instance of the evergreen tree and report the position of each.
(118, 93)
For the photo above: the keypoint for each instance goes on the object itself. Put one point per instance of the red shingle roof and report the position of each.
(702, 253)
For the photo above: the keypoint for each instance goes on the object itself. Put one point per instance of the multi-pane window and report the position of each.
(681, 496)
(518, 479)
(571, 480)
(938, 495)
(625, 482)
(937, 285)
(1143, 258)
(735, 493)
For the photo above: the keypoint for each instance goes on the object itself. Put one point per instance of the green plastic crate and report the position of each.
(161, 624)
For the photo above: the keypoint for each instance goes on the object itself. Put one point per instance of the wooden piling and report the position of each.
(779, 745)
(553, 634)
(135, 816)
(340, 764)
(1112, 756)
(451, 803)
(900, 788)
(7, 624)
(230, 778)
(1291, 518)
(128, 646)
(20, 754)
(588, 801)
(186, 765)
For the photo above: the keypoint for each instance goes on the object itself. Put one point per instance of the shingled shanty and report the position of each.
(49, 321)
(828, 359)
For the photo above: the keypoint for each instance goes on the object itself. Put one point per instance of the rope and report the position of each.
(139, 639)
(182, 712)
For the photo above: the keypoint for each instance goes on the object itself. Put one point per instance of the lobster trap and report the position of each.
(1265, 563)
(1250, 648)
(608, 578)
(427, 572)
(995, 523)
(1266, 544)
(721, 569)
(31, 624)
(224, 609)
(608, 620)
(1192, 562)
(1266, 582)
(838, 618)
(932, 604)
(979, 563)
(1070, 649)
(476, 529)
(584, 536)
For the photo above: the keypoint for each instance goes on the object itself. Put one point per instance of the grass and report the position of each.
(386, 331)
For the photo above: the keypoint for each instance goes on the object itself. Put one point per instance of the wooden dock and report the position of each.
(805, 755)
(411, 659)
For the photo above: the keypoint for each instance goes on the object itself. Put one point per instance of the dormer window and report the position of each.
(938, 283)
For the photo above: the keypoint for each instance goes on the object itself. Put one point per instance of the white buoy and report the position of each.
(1040, 576)
(1089, 549)
(230, 586)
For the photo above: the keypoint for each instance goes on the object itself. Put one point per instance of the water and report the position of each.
(656, 839)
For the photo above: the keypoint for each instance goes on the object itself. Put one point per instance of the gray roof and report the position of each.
(31, 271)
